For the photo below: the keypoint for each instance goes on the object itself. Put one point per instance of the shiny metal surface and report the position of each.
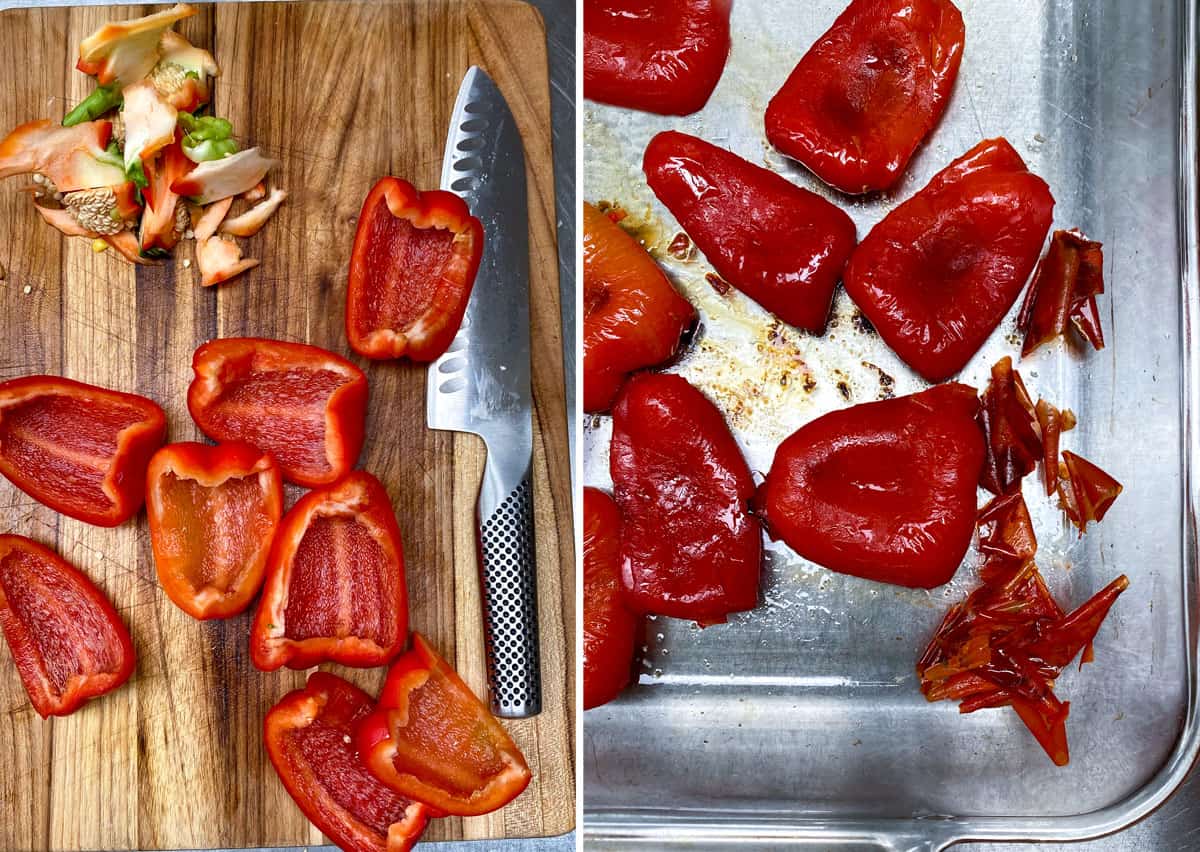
(800, 724)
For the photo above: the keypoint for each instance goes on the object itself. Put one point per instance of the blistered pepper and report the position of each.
(411, 272)
(80, 449)
(213, 512)
(308, 735)
(335, 589)
(67, 641)
(609, 628)
(303, 405)
(431, 739)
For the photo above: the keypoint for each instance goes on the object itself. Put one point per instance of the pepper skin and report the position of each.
(883, 490)
(82, 450)
(632, 316)
(937, 275)
(414, 263)
(308, 738)
(610, 630)
(689, 547)
(303, 405)
(869, 91)
(213, 512)
(662, 56)
(67, 641)
(335, 589)
(781, 245)
(432, 740)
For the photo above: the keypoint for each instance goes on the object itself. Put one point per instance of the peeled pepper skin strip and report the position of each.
(80, 449)
(1064, 290)
(1085, 491)
(67, 641)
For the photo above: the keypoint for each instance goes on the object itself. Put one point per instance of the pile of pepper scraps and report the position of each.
(135, 165)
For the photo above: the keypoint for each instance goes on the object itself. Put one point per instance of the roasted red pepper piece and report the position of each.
(1063, 292)
(1085, 491)
(303, 405)
(869, 91)
(335, 589)
(431, 739)
(308, 735)
(632, 316)
(67, 641)
(689, 547)
(80, 449)
(882, 490)
(414, 263)
(662, 56)
(213, 512)
(610, 630)
(778, 243)
(937, 275)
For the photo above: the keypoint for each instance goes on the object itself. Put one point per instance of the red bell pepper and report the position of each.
(80, 449)
(689, 547)
(869, 91)
(1064, 291)
(610, 630)
(937, 275)
(160, 226)
(67, 641)
(882, 490)
(778, 243)
(1085, 491)
(662, 56)
(213, 512)
(335, 587)
(432, 740)
(303, 405)
(414, 263)
(632, 316)
(308, 735)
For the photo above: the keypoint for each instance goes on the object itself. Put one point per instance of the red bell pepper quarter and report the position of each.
(308, 735)
(82, 450)
(610, 630)
(689, 546)
(67, 641)
(662, 56)
(432, 740)
(213, 512)
(632, 316)
(869, 91)
(937, 275)
(303, 405)
(778, 243)
(1085, 491)
(335, 589)
(414, 263)
(1064, 291)
(882, 490)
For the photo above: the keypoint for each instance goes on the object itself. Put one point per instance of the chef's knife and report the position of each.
(481, 385)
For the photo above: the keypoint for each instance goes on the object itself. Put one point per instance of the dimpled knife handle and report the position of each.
(510, 619)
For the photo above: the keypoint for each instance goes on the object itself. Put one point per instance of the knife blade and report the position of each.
(481, 385)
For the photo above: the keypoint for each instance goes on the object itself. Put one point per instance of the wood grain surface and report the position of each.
(342, 93)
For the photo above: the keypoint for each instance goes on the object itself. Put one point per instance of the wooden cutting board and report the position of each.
(342, 93)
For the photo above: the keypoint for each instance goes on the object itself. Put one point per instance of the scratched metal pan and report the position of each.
(801, 722)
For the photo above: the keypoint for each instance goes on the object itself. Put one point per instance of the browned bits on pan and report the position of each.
(809, 383)
(718, 283)
(680, 247)
(844, 390)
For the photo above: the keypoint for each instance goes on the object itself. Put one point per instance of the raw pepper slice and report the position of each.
(778, 243)
(1063, 292)
(303, 405)
(632, 316)
(308, 735)
(80, 449)
(662, 56)
(937, 275)
(411, 272)
(67, 641)
(213, 512)
(882, 490)
(689, 547)
(431, 739)
(610, 630)
(160, 226)
(335, 589)
(869, 91)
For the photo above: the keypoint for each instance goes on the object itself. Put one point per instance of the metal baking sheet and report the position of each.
(802, 720)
